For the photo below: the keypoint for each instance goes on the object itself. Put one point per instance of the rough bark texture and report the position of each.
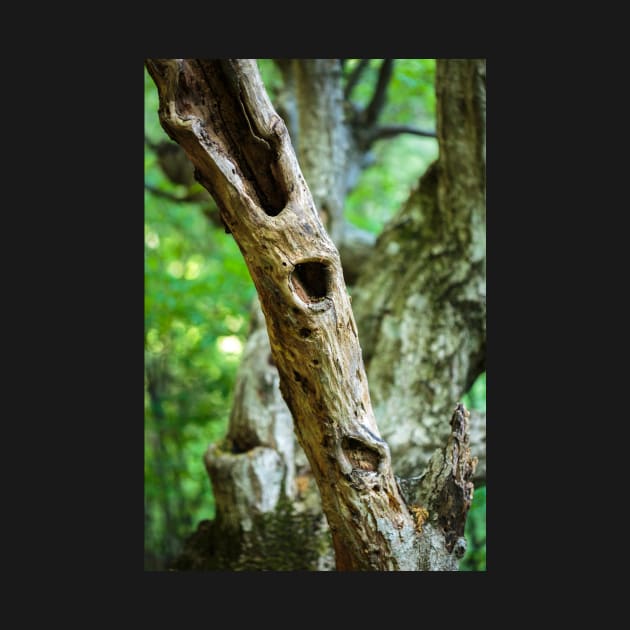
(330, 161)
(420, 302)
(267, 504)
(220, 114)
(259, 411)
(441, 496)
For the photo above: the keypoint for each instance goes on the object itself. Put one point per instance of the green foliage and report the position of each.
(475, 398)
(271, 77)
(386, 185)
(197, 297)
(411, 94)
(475, 558)
(397, 162)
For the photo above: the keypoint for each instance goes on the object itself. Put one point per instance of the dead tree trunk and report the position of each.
(219, 113)
(261, 427)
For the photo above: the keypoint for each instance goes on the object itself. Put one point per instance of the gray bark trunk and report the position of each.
(262, 482)
(221, 116)
(266, 499)
(330, 156)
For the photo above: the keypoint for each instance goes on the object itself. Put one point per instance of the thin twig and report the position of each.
(389, 131)
(170, 196)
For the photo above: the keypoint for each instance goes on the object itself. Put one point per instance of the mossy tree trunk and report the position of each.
(219, 113)
(420, 302)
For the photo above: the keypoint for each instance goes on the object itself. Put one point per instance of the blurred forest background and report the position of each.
(198, 296)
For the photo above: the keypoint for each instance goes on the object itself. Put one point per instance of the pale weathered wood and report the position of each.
(218, 111)
(264, 201)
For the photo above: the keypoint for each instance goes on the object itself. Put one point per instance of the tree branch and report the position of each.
(192, 197)
(166, 195)
(380, 93)
(209, 209)
(354, 76)
(389, 131)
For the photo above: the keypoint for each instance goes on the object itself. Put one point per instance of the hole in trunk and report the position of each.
(360, 456)
(311, 281)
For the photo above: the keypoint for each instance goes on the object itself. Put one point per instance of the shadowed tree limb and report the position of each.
(190, 198)
(209, 208)
(389, 131)
(354, 76)
(379, 97)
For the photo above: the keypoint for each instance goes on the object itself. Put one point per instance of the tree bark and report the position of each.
(316, 84)
(287, 525)
(449, 373)
(331, 155)
(328, 156)
(421, 300)
(220, 114)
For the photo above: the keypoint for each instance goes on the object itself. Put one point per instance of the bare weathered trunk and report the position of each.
(327, 156)
(427, 274)
(221, 116)
(259, 414)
